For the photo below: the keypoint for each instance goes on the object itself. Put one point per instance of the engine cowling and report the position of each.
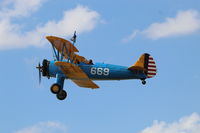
(45, 68)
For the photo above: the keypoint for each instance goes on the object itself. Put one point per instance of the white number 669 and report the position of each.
(100, 71)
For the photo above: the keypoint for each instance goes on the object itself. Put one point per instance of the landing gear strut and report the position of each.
(57, 88)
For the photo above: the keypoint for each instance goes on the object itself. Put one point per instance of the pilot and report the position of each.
(91, 62)
(77, 62)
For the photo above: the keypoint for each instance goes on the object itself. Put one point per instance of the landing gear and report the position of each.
(61, 95)
(144, 82)
(55, 88)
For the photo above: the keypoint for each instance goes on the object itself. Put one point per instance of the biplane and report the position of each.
(67, 64)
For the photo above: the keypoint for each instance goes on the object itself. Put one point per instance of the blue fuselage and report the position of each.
(101, 71)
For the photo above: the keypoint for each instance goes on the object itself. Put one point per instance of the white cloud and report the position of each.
(81, 19)
(45, 127)
(11, 37)
(189, 124)
(185, 22)
(131, 36)
(19, 8)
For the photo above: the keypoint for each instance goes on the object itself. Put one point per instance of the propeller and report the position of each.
(39, 67)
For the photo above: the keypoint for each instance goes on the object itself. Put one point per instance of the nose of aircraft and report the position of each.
(44, 69)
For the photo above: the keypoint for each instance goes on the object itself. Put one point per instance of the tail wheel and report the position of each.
(55, 88)
(62, 94)
(144, 82)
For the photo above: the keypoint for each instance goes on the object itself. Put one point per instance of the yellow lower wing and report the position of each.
(75, 73)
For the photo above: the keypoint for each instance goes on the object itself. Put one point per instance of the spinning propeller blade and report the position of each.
(40, 70)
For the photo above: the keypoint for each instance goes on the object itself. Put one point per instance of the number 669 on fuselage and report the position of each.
(69, 65)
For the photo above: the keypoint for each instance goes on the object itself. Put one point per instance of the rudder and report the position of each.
(147, 64)
(151, 67)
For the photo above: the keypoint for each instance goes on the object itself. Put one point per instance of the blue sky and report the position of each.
(115, 32)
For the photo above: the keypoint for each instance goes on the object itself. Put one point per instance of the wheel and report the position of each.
(144, 82)
(62, 94)
(55, 88)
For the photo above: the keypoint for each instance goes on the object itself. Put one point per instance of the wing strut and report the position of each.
(59, 56)
(65, 50)
(55, 53)
(62, 54)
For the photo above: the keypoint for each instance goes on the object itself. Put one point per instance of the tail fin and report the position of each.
(145, 63)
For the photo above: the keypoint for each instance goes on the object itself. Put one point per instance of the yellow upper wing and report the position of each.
(58, 43)
(75, 73)
(68, 50)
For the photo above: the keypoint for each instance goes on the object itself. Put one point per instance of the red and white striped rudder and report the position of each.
(145, 63)
(151, 67)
